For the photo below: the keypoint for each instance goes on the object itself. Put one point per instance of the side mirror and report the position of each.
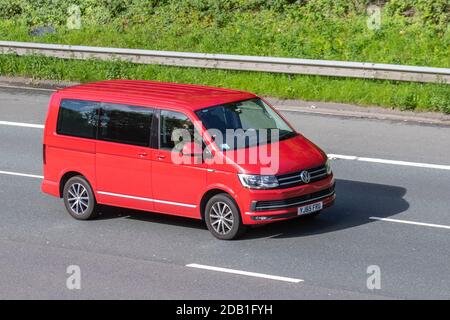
(192, 149)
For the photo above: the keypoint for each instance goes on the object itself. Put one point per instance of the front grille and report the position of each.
(293, 179)
(291, 202)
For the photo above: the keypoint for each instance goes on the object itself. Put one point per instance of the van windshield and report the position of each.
(244, 124)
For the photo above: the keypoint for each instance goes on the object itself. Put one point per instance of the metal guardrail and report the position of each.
(234, 62)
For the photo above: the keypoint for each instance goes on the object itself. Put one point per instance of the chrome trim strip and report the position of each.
(293, 204)
(146, 199)
(298, 175)
(318, 170)
(290, 177)
(124, 196)
(175, 203)
(319, 175)
(297, 181)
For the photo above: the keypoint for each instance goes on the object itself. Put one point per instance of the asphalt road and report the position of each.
(128, 254)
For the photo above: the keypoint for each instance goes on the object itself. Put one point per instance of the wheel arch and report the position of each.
(66, 176)
(211, 193)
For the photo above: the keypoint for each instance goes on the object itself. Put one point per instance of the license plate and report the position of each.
(310, 208)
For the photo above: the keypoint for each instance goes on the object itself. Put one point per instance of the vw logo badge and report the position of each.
(305, 176)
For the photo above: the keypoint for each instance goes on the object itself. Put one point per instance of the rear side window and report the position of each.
(78, 118)
(125, 124)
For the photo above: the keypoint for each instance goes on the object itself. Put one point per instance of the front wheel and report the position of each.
(79, 198)
(223, 217)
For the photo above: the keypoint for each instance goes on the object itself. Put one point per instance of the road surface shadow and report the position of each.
(109, 212)
(356, 202)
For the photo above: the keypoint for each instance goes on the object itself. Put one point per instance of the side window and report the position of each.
(173, 126)
(78, 118)
(125, 124)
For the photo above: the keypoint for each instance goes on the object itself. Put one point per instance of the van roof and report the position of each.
(154, 93)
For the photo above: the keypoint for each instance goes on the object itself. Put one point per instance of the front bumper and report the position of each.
(265, 206)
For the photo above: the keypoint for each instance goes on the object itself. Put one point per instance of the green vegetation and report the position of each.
(414, 32)
(406, 96)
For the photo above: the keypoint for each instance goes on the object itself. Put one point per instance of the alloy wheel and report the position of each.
(78, 198)
(222, 218)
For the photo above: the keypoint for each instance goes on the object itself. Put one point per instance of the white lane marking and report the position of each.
(21, 174)
(22, 124)
(331, 155)
(393, 162)
(245, 273)
(412, 222)
(193, 265)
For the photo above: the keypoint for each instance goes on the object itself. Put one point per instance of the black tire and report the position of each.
(84, 206)
(224, 229)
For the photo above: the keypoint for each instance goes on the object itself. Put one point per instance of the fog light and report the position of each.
(261, 218)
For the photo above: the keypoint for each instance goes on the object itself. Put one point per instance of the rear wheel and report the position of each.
(223, 217)
(79, 198)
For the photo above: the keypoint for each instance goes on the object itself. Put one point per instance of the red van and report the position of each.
(223, 156)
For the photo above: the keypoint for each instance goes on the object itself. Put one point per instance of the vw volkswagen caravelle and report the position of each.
(186, 150)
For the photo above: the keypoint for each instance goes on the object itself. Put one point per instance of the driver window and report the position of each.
(174, 126)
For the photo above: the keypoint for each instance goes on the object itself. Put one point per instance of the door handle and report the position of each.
(161, 156)
(142, 154)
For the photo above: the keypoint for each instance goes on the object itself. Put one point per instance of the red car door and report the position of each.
(123, 156)
(177, 187)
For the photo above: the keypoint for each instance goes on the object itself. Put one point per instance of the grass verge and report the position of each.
(410, 32)
(395, 94)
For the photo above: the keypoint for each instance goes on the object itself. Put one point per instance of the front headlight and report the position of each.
(328, 167)
(257, 181)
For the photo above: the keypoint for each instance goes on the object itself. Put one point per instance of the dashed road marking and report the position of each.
(393, 162)
(412, 222)
(244, 273)
(22, 124)
(11, 173)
